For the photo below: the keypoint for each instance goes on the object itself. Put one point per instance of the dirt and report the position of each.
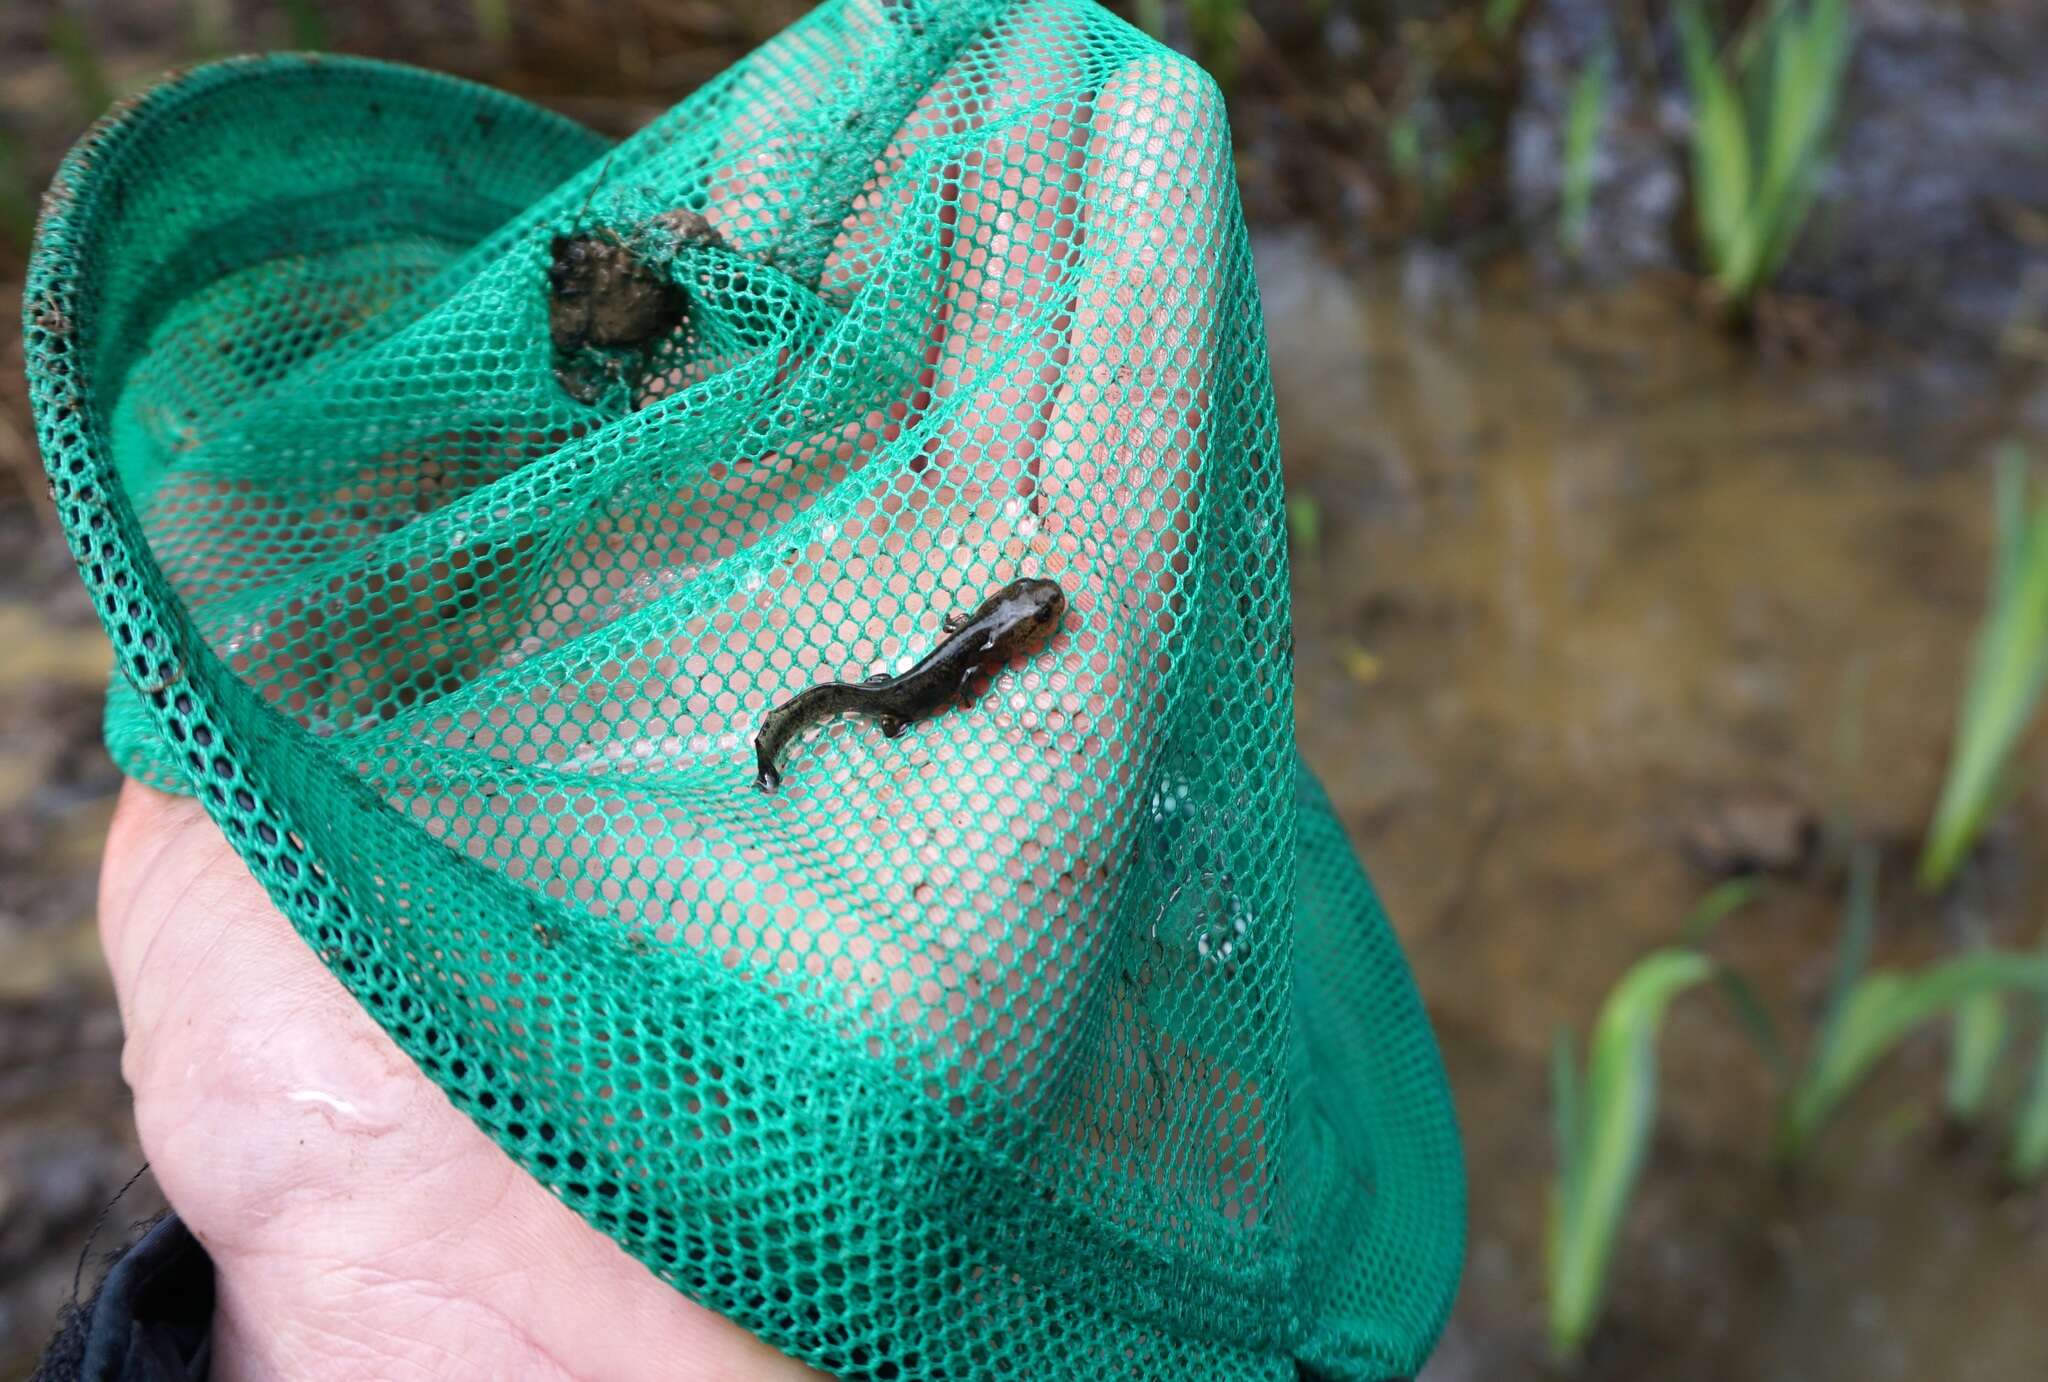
(610, 302)
(603, 295)
(606, 307)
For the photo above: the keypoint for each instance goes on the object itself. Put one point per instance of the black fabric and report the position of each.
(151, 1320)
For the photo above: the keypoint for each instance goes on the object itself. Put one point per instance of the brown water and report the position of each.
(1584, 569)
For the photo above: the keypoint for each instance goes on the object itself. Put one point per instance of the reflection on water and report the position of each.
(1586, 571)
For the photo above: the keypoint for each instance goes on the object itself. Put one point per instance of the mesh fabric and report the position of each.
(1060, 1036)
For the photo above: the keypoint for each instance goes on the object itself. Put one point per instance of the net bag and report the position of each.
(461, 493)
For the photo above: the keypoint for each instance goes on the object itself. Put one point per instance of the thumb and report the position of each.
(358, 1223)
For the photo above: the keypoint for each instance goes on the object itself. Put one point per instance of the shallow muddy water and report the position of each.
(1587, 573)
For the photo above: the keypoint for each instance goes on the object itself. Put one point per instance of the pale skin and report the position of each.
(359, 1224)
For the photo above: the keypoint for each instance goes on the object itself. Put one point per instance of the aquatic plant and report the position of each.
(2008, 670)
(1584, 117)
(1430, 157)
(1977, 1042)
(1721, 901)
(1762, 119)
(1869, 1014)
(1883, 1010)
(1602, 1127)
(1602, 1118)
(2028, 1155)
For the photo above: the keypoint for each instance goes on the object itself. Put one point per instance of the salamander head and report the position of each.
(1033, 608)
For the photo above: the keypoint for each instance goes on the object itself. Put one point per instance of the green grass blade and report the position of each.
(1883, 1010)
(1840, 833)
(1763, 114)
(1981, 1026)
(81, 61)
(2008, 669)
(1721, 158)
(1852, 952)
(1565, 1114)
(1584, 118)
(1404, 144)
(2028, 1156)
(1807, 59)
(1755, 1019)
(1722, 901)
(1755, 39)
(1783, 109)
(1616, 1112)
(1564, 1139)
(1852, 957)
(1304, 526)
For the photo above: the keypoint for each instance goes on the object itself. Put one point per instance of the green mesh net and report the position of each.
(1058, 1035)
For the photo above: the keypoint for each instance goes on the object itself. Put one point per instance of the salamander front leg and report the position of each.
(963, 693)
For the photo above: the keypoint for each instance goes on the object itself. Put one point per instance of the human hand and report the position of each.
(359, 1225)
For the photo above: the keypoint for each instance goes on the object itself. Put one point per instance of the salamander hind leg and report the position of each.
(892, 725)
(766, 775)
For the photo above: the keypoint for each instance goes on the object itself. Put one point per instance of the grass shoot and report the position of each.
(2008, 669)
(1602, 1124)
(1763, 117)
